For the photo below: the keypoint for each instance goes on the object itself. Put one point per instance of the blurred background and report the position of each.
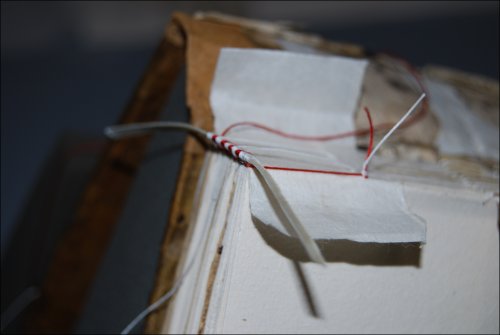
(68, 70)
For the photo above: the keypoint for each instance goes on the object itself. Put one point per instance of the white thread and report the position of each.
(164, 298)
(389, 133)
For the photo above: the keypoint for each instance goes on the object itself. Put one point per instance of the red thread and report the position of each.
(370, 144)
(288, 135)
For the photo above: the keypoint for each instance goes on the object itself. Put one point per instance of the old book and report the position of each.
(412, 249)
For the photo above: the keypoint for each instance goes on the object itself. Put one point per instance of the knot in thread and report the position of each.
(230, 148)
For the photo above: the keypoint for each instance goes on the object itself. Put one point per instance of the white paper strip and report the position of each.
(337, 207)
(305, 94)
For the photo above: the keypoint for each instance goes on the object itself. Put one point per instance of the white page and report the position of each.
(453, 290)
